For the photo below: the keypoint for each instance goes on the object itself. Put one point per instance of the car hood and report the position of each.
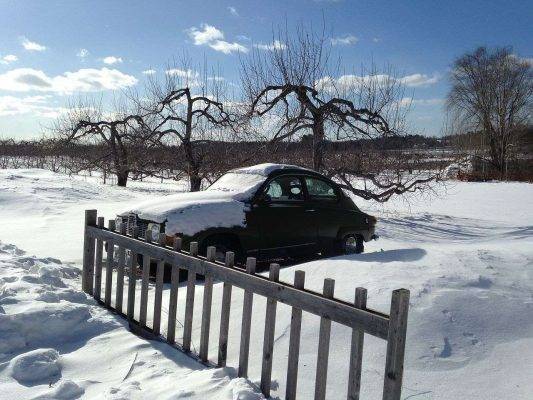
(190, 213)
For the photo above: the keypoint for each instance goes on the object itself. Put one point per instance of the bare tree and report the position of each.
(121, 133)
(492, 93)
(191, 110)
(295, 90)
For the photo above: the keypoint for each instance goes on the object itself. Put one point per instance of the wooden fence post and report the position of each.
(323, 346)
(294, 342)
(399, 308)
(225, 313)
(173, 297)
(119, 297)
(246, 323)
(145, 283)
(98, 264)
(88, 253)
(356, 354)
(132, 279)
(189, 301)
(268, 338)
(109, 266)
(206, 308)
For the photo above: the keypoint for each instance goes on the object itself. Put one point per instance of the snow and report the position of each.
(466, 256)
(266, 169)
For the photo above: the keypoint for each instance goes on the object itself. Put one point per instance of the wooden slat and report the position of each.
(98, 263)
(145, 283)
(173, 297)
(268, 339)
(109, 265)
(206, 309)
(225, 314)
(371, 321)
(356, 354)
(323, 347)
(120, 273)
(246, 323)
(399, 308)
(189, 302)
(87, 276)
(158, 297)
(294, 342)
(132, 279)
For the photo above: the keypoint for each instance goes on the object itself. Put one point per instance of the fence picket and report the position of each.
(145, 283)
(356, 354)
(323, 346)
(246, 323)
(294, 342)
(109, 265)
(132, 279)
(173, 297)
(120, 272)
(87, 277)
(396, 345)
(225, 313)
(268, 340)
(189, 302)
(98, 264)
(206, 308)
(158, 297)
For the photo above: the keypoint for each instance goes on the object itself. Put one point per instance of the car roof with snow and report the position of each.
(266, 169)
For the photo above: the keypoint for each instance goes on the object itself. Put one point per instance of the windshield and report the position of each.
(237, 182)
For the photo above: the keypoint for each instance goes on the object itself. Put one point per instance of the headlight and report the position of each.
(154, 229)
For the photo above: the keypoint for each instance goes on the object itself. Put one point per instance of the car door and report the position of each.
(283, 217)
(324, 199)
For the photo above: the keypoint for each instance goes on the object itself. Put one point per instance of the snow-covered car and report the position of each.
(267, 211)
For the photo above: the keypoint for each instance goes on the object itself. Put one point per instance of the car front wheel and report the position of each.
(353, 244)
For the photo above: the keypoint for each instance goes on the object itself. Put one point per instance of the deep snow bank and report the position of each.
(56, 343)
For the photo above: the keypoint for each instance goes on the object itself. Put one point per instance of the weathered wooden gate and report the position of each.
(357, 316)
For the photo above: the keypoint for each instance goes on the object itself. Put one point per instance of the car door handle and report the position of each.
(310, 210)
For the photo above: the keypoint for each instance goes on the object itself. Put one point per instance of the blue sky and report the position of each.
(53, 50)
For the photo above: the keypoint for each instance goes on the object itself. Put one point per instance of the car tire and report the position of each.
(353, 244)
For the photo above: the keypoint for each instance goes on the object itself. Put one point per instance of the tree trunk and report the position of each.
(195, 182)
(318, 144)
(122, 177)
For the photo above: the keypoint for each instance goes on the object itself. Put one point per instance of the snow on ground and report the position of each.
(466, 256)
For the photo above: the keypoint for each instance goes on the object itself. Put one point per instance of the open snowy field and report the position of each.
(466, 256)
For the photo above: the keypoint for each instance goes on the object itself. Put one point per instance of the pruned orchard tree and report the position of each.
(491, 93)
(191, 110)
(123, 134)
(295, 90)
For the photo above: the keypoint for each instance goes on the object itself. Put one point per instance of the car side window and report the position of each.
(285, 188)
(320, 190)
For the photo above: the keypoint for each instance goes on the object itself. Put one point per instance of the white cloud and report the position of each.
(428, 102)
(275, 45)
(233, 11)
(376, 40)
(149, 71)
(110, 60)
(9, 58)
(83, 53)
(227, 47)
(182, 73)
(346, 40)
(214, 38)
(206, 35)
(416, 80)
(36, 105)
(31, 46)
(328, 83)
(83, 80)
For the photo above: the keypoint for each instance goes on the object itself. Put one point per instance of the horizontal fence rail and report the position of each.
(356, 316)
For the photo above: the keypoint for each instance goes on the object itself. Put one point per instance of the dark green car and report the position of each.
(267, 211)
